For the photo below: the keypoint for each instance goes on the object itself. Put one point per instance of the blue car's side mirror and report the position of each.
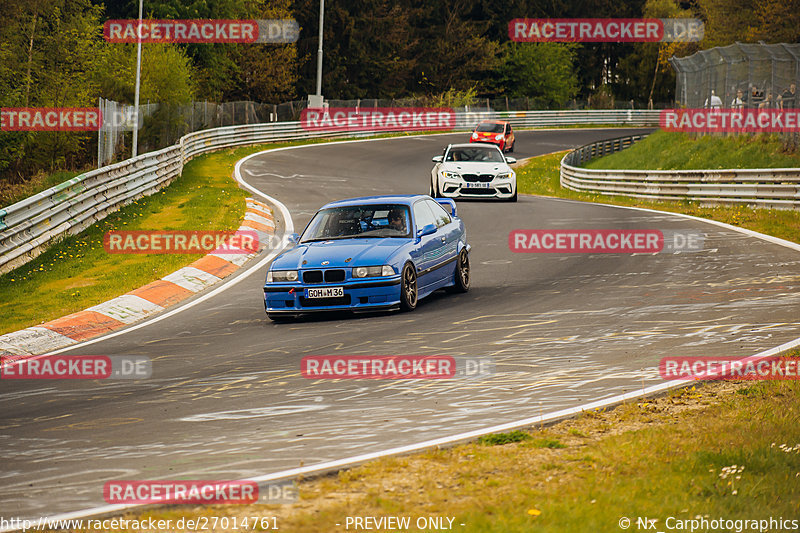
(426, 230)
(294, 238)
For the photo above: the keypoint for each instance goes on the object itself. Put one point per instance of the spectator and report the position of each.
(767, 103)
(788, 99)
(737, 103)
(716, 102)
(754, 97)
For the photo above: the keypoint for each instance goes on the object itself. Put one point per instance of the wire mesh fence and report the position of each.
(746, 76)
(161, 125)
(741, 76)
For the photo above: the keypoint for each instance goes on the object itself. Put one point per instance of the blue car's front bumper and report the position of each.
(365, 294)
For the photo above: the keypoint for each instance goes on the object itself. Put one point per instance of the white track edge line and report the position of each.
(288, 228)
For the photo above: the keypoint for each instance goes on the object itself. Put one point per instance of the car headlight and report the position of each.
(451, 175)
(474, 134)
(373, 271)
(498, 137)
(504, 176)
(277, 276)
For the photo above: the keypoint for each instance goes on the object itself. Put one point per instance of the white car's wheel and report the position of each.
(434, 189)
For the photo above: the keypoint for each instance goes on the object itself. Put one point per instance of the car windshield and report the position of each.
(359, 221)
(475, 153)
(491, 127)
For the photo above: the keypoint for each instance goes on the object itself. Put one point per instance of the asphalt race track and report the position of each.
(226, 399)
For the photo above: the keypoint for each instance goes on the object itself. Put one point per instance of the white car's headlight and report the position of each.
(451, 175)
(498, 137)
(504, 176)
(373, 271)
(277, 276)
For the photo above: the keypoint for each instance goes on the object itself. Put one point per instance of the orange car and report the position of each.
(494, 132)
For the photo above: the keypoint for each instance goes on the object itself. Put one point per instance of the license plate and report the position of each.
(479, 185)
(326, 292)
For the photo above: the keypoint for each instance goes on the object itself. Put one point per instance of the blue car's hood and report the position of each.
(361, 252)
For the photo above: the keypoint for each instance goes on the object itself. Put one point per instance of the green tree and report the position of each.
(748, 21)
(452, 47)
(50, 50)
(264, 72)
(647, 75)
(544, 71)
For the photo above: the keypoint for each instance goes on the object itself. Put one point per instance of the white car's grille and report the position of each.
(478, 177)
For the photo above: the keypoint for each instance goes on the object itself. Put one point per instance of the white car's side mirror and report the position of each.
(437, 159)
(511, 160)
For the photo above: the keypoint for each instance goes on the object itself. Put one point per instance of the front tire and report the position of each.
(433, 190)
(408, 288)
(513, 198)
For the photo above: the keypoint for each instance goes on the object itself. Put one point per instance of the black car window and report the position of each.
(442, 218)
(359, 221)
(423, 215)
(491, 127)
(482, 154)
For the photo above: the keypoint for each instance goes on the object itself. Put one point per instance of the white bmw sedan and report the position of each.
(473, 170)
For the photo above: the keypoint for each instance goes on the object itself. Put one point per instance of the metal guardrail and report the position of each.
(775, 188)
(29, 226)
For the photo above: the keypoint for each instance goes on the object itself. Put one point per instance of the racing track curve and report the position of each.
(226, 400)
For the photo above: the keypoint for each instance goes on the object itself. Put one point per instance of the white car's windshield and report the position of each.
(477, 153)
(359, 221)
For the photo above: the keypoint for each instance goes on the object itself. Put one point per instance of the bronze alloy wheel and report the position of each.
(462, 272)
(408, 288)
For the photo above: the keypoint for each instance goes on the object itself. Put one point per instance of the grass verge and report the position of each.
(729, 450)
(678, 151)
(77, 273)
(540, 176)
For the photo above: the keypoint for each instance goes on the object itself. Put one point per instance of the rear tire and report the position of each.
(408, 288)
(462, 273)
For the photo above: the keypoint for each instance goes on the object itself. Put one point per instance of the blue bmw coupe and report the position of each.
(368, 254)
